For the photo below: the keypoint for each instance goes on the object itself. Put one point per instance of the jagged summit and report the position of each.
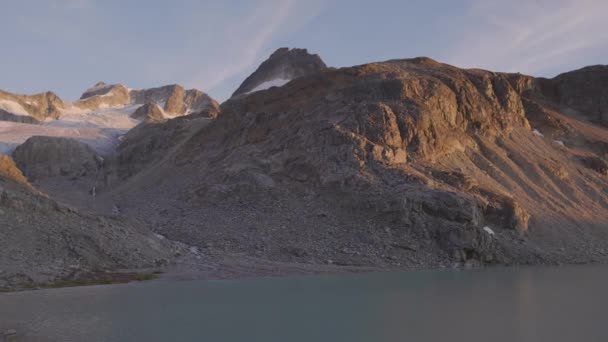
(173, 99)
(149, 112)
(98, 89)
(281, 67)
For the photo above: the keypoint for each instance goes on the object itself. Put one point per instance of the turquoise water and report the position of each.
(502, 304)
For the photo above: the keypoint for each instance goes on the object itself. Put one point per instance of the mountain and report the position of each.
(281, 67)
(43, 240)
(402, 164)
(30, 108)
(405, 163)
(103, 113)
(173, 99)
(584, 90)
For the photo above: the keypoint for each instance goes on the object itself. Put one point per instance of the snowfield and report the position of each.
(13, 107)
(101, 129)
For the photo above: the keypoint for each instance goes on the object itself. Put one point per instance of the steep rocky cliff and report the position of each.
(405, 163)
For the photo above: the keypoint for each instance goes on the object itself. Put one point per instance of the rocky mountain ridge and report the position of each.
(402, 164)
(281, 67)
(99, 118)
(405, 163)
(173, 99)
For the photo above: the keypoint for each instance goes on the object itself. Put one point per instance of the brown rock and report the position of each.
(149, 112)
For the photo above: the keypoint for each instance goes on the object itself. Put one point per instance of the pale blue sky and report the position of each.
(68, 45)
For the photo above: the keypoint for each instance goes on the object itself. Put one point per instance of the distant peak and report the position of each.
(283, 65)
(285, 50)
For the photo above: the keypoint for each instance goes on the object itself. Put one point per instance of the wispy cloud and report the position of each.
(207, 45)
(247, 39)
(244, 41)
(530, 36)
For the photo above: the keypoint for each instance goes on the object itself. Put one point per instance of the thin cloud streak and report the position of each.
(530, 36)
(249, 49)
(245, 43)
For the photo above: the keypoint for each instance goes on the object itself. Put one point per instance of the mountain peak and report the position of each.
(282, 66)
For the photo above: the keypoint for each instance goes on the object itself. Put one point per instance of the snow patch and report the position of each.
(13, 108)
(277, 82)
(104, 117)
(101, 128)
(559, 142)
(537, 132)
(488, 230)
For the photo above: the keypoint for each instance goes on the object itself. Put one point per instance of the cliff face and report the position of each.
(584, 91)
(405, 163)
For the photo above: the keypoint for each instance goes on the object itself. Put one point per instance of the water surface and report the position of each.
(502, 304)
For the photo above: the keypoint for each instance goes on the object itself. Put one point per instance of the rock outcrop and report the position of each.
(174, 99)
(42, 157)
(30, 108)
(103, 96)
(149, 144)
(149, 112)
(282, 66)
(585, 91)
(10, 171)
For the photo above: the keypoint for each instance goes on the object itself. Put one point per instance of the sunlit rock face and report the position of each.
(441, 161)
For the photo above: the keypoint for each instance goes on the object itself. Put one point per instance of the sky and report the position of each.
(68, 45)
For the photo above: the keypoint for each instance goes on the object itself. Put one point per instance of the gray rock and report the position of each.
(284, 63)
(42, 157)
